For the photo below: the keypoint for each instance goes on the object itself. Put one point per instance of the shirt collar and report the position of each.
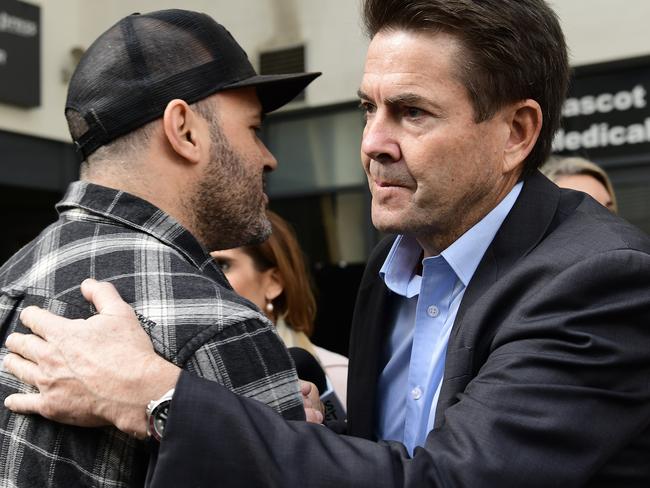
(463, 255)
(134, 212)
(399, 266)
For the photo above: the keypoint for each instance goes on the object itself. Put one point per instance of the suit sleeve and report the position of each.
(247, 444)
(564, 388)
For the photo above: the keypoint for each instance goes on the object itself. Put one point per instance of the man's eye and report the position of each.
(367, 107)
(413, 112)
(223, 264)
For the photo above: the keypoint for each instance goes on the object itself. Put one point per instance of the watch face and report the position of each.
(159, 419)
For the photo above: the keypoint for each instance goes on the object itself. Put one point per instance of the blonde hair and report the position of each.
(557, 167)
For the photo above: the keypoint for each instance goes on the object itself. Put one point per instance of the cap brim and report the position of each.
(274, 91)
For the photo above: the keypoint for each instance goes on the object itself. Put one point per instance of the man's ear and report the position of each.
(182, 128)
(525, 123)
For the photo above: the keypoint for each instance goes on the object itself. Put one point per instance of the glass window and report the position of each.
(317, 150)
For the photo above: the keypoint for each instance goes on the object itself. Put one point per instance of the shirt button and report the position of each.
(433, 311)
(416, 393)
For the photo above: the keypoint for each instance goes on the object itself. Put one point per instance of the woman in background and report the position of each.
(582, 175)
(273, 276)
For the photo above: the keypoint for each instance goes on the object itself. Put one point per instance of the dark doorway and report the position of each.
(24, 213)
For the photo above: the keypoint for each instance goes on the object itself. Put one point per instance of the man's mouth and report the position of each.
(388, 184)
(385, 184)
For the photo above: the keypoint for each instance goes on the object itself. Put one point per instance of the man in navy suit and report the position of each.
(500, 336)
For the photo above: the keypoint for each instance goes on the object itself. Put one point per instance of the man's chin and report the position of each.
(389, 224)
(256, 232)
(249, 234)
(263, 233)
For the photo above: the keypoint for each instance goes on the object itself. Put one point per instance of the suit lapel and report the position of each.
(367, 345)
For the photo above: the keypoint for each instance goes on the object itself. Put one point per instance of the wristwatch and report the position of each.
(157, 412)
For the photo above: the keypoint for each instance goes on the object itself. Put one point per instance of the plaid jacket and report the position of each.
(183, 301)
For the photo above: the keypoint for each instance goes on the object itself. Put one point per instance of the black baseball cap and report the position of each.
(132, 71)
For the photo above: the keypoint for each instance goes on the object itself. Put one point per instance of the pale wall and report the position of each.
(604, 30)
(596, 30)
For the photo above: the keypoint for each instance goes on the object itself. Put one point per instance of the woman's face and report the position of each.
(259, 287)
(587, 184)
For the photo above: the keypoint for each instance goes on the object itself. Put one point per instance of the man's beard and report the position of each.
(228, 205)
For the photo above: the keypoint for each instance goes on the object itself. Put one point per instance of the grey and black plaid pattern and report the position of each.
(183, 301)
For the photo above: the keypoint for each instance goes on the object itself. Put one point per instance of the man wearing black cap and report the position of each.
(164, 110)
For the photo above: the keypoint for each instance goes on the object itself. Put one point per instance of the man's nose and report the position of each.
(379, 141)
(270, 163)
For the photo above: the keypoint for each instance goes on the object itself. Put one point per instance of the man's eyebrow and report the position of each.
(407, 99)
(362, 95)
(401, 99)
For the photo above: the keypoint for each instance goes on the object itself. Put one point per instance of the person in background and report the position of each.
(580, 174)
(274, 277)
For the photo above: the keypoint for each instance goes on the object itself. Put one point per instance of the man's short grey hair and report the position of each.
(124, 149)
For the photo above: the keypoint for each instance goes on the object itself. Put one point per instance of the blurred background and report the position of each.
(319, 186)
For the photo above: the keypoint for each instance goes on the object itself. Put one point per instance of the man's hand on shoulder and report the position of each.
(98, 371)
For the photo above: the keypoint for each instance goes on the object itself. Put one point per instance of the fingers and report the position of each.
(310, 392)
(105, 298)
(305, 387)
(24, 402)
(310, 402)
(41, 322)
(29, 346)
(26, 371)
(313, 416)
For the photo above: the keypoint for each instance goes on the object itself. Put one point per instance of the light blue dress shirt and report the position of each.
(409, 384)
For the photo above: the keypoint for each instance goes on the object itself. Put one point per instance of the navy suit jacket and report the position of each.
(547, 375)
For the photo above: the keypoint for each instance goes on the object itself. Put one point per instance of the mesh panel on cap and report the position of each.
(127, 77)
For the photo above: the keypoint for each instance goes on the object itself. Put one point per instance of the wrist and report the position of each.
(129, 414)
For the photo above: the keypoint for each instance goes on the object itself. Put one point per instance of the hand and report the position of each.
(314, 410)
(98, 371)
